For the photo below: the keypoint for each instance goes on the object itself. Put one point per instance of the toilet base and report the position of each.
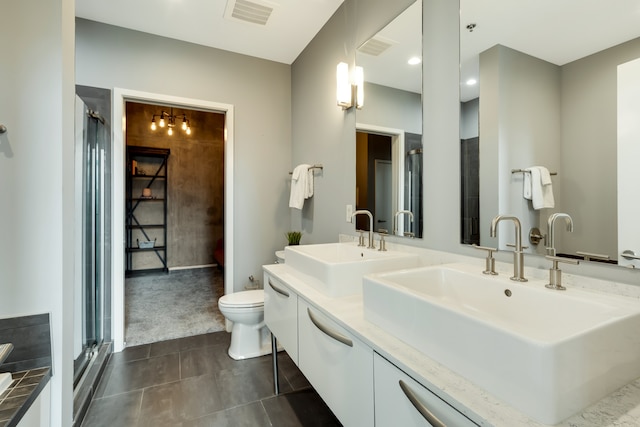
(248, 342)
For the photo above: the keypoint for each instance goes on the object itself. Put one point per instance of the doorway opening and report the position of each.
(174, 219)
(123, 99)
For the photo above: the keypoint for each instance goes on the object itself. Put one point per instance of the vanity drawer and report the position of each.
(393, 406)
(338, 365)
(281, 314)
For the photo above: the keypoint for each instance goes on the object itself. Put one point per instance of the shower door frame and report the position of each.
(93, 210)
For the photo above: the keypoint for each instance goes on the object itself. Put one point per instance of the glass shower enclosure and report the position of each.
(93, 205)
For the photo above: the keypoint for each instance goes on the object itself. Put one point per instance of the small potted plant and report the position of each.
(294, 237)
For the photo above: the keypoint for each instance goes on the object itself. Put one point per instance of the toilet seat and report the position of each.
(243, 299)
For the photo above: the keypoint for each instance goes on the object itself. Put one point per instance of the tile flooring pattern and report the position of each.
(189, 382)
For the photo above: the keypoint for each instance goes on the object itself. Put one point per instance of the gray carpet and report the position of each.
(183, 303)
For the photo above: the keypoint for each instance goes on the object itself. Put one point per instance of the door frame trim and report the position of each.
(120, 97)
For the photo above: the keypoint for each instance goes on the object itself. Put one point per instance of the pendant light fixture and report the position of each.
(169, 120)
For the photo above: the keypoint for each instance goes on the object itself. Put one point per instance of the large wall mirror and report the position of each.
(548, 92)
(389, 127)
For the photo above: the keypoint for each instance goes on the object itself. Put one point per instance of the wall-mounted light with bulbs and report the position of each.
(350, 87)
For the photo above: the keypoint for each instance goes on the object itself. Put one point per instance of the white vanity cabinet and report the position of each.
(338, 365)
(281, 314)
(401, 401)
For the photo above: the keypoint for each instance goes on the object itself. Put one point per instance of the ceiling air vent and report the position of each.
(375, 46)
(255, 12)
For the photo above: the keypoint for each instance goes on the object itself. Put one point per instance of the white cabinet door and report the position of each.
(281, 314)
(401, 401)
(339, 366)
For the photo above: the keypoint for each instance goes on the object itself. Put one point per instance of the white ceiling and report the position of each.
(291, 26)
(390, 68)
(558, 31)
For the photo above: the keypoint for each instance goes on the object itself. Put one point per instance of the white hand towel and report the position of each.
(299, 187)
(541, 188)
(309, 192)
(526, 185)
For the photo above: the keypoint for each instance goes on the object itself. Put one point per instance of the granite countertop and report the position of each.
(621, 408)
(23, 391)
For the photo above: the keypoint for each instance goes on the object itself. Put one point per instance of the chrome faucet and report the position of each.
(551, 222)
(366, 212)
(518, 256)
(395, 219)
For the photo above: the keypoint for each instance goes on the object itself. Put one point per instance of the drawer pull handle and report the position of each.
(333, 334)
(426, 413)
(278, 290)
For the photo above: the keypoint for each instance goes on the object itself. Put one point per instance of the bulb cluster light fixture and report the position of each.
(350, 87)
(170, 121)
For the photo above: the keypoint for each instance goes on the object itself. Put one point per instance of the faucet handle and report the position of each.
(555, 274)
(361, 237)
(490, 262)
(557, 259)
(382, 232)
(511, 245)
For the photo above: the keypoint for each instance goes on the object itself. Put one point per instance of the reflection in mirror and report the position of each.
(389, 128)
(549, 97)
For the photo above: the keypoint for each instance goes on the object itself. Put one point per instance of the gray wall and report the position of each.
(469, 115)
(520, 127)
(322, 132)
(589, 146)
(36, 178)
(260, 91)
(392, 108)
(565, 118)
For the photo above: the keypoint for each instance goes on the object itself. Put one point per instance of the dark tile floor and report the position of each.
(189, 382)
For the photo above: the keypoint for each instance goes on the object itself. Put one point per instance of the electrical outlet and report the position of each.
(349, 212)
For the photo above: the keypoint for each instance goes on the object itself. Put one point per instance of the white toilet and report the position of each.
(249, 335)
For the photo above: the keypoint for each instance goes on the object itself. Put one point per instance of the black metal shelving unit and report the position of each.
(146, 220)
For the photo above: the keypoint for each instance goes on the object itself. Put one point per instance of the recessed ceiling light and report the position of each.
(471, 82)
(414, 60)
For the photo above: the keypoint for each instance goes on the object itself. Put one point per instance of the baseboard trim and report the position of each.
(191, 267)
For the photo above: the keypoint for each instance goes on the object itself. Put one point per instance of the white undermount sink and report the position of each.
(547, 353)
(336, 269)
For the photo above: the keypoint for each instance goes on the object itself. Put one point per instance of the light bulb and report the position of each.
(170, 131)
(161, 124)
(343, 86)
(359, 82)
(184, 124)
(153, 124)
(188, 130)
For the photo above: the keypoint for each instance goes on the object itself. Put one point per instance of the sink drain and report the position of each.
(507, 292)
